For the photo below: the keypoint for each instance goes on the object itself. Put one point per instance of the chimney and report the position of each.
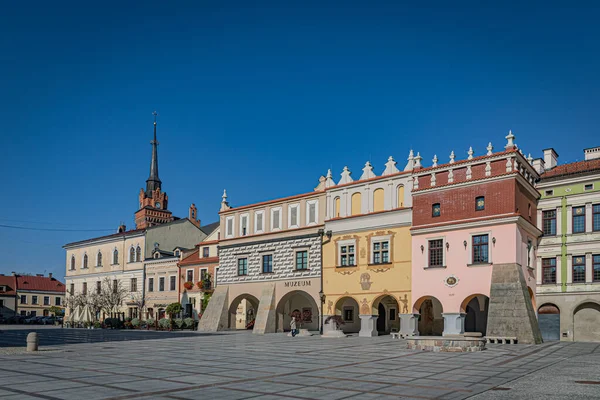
(39, 274)
(550, 159)
(122, 228)
(538, 165)
(592, 153)
(14, 273)
(50, 275)
(193, 215)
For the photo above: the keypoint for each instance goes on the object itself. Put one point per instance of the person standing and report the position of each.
(293, 326)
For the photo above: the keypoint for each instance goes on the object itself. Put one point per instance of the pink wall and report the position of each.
(471, 279)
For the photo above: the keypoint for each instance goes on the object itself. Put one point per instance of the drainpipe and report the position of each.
(321, 293)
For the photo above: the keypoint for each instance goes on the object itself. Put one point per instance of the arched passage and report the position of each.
(242, 312)
(431, 322)
(386, 308)
(476, 307)
(347, 308)
(300, 304)
(549, 321)
(586, 319)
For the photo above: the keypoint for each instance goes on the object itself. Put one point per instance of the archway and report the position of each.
(347, 308)
(242, 312)
(586, 319)
(386, 308)
(301, 305)
(476, 307)
(549, 321)
(431, 321)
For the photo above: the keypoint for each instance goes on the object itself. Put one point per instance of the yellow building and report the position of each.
(367, 259)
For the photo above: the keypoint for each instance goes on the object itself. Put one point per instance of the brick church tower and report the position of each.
(153, 201)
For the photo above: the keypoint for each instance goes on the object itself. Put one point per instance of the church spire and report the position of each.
(153, 182)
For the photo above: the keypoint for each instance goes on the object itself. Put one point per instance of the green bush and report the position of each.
(179, 323)
(97, 325)
(135, 322)
(150, 322)
(174, 309)
(165, 323)
(189, 323)
(113, 323)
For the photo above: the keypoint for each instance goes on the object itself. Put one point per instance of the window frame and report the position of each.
(58, 301)
(23, 297)
(84, 263)
(380, 240)
(133, 284)
(205, 252)
(586, 187)
(98, 287)
(99, 259)
(439, 210)
(138, 254)
(573, 265)
(72, 265)
(477, 199)
(479, 246)
(544, 219)
(150, 284)
(172, 283)
(131, 254)
(46, 303)
(549, 263)
(304, 261)
(595, 217)
(34, 300)
(244, 270)
(161, 283)
(595, 264)
(573, 216)
(84, 288)
(229, 223)
(348, 253)
(262, 258)
(187, 275)
(261, 228)
(245, 217)
(429, 249)
(308, 204)
(115, 258)
(279, 219)
(350, 310)
(294, 206)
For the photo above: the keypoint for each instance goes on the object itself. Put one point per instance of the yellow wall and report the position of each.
(356, 202)
(336, 211)
(378, 200)
(400, 196)
(393, 279)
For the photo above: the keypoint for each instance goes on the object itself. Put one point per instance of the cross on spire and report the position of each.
(153, 182)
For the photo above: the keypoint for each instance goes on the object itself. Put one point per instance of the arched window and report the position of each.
(378, 200)
(72, 262)
(85, 261)
(131, 255)
(336, 207)
(99, 259)
(138, 254)
(400, 193)
(115, 257)
(356, 204)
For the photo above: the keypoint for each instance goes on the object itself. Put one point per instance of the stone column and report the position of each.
(569, 220)
(539, 270)
(454, 323)
(559, 221)
(558, 270)
(589, 274)
(588, 218)
(409, 324)
(569, 268)
(368, 326)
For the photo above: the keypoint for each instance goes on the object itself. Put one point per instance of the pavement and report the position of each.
(240, 365)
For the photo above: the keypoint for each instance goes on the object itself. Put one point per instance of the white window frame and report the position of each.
(470, 247)
(308, 204)
(241, 217)
(172, 290)
(83, 266)
(228, 233)
(98, 255)
(298, 250)
(58, 300)
(112, 256)
(21, 299)
(186, 275)
(289, 222)
(129, 258)
(153, 287)
(44, 300)
(261, 228)
(237, 265)
(586, 184)
(273, 229)
(348, 242)
(426, 251)
(164, 283)
(200, 272)
(384, 238)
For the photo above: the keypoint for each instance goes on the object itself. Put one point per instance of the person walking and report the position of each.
(293, 326)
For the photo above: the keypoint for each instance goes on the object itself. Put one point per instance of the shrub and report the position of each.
(113, 323)
(150, 322)
(164, 323)
(179, 323)
(135, 322)
(97, 325)
(189, 322)
(174, 309)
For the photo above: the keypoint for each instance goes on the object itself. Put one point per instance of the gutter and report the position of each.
(321, 292)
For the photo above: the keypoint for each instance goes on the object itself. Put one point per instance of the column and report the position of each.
(538, 276)
(588, 219)
(454, 323)
(559, 221)
(589, 275)
(558, 270)
(539, 219)
(368, 326)
(569, 220)
(569, 268)
(409, 324)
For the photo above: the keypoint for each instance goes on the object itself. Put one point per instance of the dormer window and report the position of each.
(2, 289)
(205, 252)
(156, 255)
(177, 253)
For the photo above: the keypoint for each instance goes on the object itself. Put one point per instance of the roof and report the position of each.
(195, 259)
(114, 235)
(578, 167)
(39, 283)
(210, 228)
(11, 285)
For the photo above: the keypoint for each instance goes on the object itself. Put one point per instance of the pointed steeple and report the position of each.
(153, 182)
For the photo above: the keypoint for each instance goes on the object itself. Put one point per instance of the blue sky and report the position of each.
(262, 98)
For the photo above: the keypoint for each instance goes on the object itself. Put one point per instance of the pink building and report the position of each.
(474, 242)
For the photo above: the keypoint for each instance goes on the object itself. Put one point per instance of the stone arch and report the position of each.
(586, 318)
(355, 203)
(549, 321)
(242, 311)
(345, 306)
(387, 308)
(431, 321)
(301, 305)
(476, 307)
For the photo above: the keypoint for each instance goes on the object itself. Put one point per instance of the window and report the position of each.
(589, 186)
(549, 222)
(161, 284)
(23, 313)
(85, 261)
(151, 284)
(579, 219)
(378, 200)
(46, 300)
(436, 253)
(172, 282)
(336, 207)
(138, 254)
(436, 210)
(84, 288)
(177, 253)
(23, 299)
(596, 267)
(34, 299)
(203, 274)
(133, 285)
(115, 257)
(348, 314)
(355, 204)
(244, 225)
(99, 260)
(549, 192)
(311, 214)
(579, 269)
(115, 285)
(229, 227)
(32, 313)
(276, 218)
(57, 301)
(596, 217)
(131, 255)
(258, 221)
(400, 196)
(205, 252)
(72, 263)
(190, 275)
(293, 216)
(480, 203)
(347, 255)
(242, 266)
(267, 263)
(381, 252)
(72, 289)
(302, 259)
(480, 249)
(98, 287)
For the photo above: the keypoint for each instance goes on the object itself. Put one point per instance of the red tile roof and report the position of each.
(11, 284)
(573, 168)
(39, 283)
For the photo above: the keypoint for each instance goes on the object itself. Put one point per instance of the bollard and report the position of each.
(32, 342)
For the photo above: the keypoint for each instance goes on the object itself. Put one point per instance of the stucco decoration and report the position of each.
(330, 307)
(364, 307)
(451, 281)
(365, 281)
(404, 301)
(452, 156)
(346, 178)
(410, 161)
(363, 253)
(390, 167)
(367, 171)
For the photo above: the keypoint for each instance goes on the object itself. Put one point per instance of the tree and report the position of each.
(173, 308)
(57, 311)
(112, 295)
(139, 300)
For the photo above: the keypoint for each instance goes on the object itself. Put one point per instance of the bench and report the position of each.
(501, 339)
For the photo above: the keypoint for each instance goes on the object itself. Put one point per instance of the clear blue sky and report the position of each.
(263, 99)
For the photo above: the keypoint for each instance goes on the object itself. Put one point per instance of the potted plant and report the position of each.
(188, 285)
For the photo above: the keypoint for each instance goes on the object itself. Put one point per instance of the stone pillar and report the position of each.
(569, 220)
(409, 324)
(32, 341)
(589, 272)
(368, 326)
(454, 323)
(558, 270)
(569, 268)
(538, 272)
(558, 221)
(588, 218)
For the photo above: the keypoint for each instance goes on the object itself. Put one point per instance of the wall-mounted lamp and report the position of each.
(494, 240)
(447, 245)
(465, 244)
(422, 249)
